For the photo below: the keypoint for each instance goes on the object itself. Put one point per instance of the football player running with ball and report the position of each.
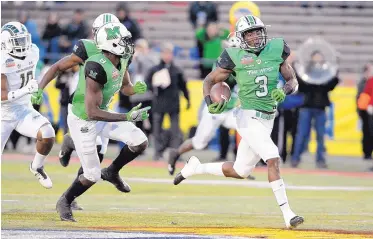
(18, 64)
(256, 64)
(105, 75)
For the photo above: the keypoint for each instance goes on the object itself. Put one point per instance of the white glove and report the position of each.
(32, 86)
(370, 109)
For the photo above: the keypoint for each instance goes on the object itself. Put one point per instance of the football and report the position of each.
(220, 91)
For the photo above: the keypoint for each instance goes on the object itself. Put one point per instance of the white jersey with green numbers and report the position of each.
(256, 75)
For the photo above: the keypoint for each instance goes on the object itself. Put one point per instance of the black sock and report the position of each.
(125, 156)
(75, 190)
(100, 156)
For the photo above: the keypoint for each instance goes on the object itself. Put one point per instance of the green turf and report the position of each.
(27, 205)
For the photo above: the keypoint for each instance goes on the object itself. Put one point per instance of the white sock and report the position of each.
(278, 188)
(38, 161)
(210, 168)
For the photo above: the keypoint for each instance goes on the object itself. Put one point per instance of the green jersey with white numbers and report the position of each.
(256, 74)
(100, 69)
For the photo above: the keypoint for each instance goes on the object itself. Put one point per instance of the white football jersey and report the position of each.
(18, 72)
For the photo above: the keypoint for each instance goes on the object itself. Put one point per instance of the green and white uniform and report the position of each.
(209, 123)
(256, 76)
(83, 131)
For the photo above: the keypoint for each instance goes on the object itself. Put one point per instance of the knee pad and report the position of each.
(93, 174)
(244, 172)
(47, 131)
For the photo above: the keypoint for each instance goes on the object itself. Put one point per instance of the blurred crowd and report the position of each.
(166, 81)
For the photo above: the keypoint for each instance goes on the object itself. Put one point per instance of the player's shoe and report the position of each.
(250, 177)
(67, 149)
(188, 170)
(294, 222)
(172, 158)
(75, 206)
(64, 209)
(42, 176)
(116, 180)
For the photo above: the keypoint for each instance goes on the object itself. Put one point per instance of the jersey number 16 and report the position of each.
(26, 77)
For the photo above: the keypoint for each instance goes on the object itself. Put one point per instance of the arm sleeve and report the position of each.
(286, 51)
(80, 51)
(182, 86)
(96, 72)
(225, 61)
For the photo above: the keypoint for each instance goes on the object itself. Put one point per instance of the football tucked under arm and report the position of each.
(291, 85)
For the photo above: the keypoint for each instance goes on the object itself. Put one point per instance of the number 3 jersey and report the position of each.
(256, 74)
(18, 71)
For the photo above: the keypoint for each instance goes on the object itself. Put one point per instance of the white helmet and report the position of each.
(15, 39)
(247, 24)
(102, 20)
(116, 39)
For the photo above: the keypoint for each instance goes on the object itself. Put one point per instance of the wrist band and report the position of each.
(208, 100)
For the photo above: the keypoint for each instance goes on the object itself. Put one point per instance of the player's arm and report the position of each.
(224, 68)
(31, 87)
(78, 56)
(291, 82)
(128, 88)
(95, 81)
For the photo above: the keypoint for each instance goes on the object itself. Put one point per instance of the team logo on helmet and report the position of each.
(112, 33)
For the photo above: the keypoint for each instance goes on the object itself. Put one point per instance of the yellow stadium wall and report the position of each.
(347, 135)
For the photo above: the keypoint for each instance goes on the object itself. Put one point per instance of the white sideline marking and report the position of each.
(253, 184)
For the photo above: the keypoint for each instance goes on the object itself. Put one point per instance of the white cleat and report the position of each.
(42, 176)
(188, 170)
(294, 222)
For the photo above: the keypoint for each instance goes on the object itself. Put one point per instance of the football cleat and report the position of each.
(67, 149)
(172, 159)
(64, 209)
(116, 180)
(294, 222)
(75, 206)
(188, 170)
(42, 176)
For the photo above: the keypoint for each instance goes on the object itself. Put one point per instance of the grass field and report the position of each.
(338, 205)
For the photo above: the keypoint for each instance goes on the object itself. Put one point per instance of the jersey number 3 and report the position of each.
(26, 77)
(262, 81)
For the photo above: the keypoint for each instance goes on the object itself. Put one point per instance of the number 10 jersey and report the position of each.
(19, 71)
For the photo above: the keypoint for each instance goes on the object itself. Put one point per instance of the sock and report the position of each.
(125, 156)
(278, 188)
(210, 168)
(38, 161)
(75, 190)
(100, 156)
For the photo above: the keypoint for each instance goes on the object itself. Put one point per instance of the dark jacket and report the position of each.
(132, 27)
(51, 31)
(208, 8)
(167, 100)
(76, 31)
(316, 96)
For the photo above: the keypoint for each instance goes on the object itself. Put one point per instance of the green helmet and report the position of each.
(248, 24)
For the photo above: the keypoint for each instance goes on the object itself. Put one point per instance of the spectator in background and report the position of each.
(143, 60)
(365, 107)
(210, 42)
(24, 18)
(316, 99)
(51, 32)
(200, 13)
(367, 141)
(74, 31)
(166, 81)
(131, 24)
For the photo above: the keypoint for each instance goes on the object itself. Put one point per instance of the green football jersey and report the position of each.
(256, 75)
(84, 49)
(100, 69)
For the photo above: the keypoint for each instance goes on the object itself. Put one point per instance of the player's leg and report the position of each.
(84, 135)
(135, 143)
(37, 126)
(7, 127)
(205, 131)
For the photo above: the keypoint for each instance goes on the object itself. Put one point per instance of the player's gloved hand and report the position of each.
(37, 97)
(32, 86)
(217, 107)
(278, 95)
(137, 114)
(140, 87)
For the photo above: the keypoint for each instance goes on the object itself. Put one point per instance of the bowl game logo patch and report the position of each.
(10, 63)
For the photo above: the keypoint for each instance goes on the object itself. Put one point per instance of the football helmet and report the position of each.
(247, 24)
(15, 39)
(116, 39)
(103, 19)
